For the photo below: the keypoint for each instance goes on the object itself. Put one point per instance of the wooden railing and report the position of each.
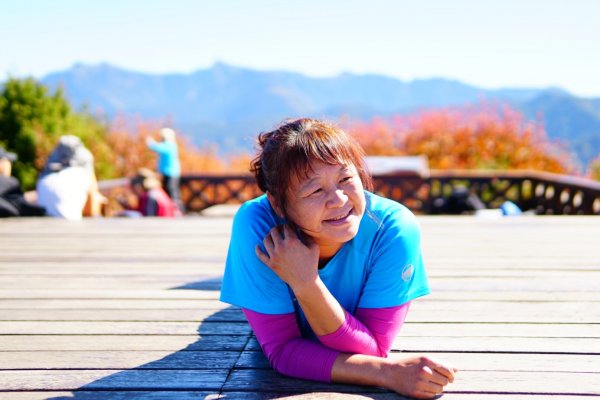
(541, 192)
(202, 191)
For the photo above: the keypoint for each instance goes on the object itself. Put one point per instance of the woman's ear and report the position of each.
(275, 205)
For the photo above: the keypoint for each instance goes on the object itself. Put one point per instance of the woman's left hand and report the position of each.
(293, 261)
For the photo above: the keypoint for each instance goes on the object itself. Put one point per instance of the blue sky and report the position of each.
(504, 43)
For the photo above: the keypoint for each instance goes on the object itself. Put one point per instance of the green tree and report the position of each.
(32, 119)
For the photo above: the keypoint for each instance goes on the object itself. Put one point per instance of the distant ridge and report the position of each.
(228, 105)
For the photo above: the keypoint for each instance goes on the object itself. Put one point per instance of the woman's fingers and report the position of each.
(422, 377)
(269, 243)
(438, 369)
(278, 233)
(447, 372)
(262, 256)
(274, 239)
(436, 377)
(287, 231)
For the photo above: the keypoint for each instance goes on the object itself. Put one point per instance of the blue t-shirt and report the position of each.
(168, 158)
(382, 266)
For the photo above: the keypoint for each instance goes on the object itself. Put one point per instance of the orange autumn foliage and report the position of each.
(485, 137)
(130, 152)
(594, 169)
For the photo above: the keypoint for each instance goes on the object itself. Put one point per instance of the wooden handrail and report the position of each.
(524, 174)
(542, 192)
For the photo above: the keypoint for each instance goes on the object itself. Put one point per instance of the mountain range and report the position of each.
(228, 105)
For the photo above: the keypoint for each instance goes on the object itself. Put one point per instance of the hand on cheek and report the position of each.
(295, 262)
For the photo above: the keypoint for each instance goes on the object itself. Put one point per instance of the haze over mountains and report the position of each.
(228, 106)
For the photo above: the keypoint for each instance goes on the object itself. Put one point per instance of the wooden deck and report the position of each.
(128, 309)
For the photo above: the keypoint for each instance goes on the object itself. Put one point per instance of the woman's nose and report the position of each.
(337, 198)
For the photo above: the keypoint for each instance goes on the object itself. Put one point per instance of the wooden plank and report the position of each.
(169, 342)
(104, 254)
(51, 305)
(101, 282)
(113, 379)
(502, 330)
(421, 311)
(156, 325)
(125, 359)
(265, 380)
(97, 268)
(333, 395)
(198, 290)
(539, 312)
(424, 344)
(469, 266)
(540, 263)
(15, 273)
(508, 382)
(237, 342)
(186, 292)
(196, 395)
(112, 395)
(499, 344)
(536, 284)
(162, 314)
(495, 382)
(583, 281)
(545, 295)
(445, 266)
(590, 272)
(478, 361)
(108, 252)
(121, 328)
(7, 307)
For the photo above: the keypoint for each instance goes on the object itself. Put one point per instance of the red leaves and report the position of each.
(485, 137)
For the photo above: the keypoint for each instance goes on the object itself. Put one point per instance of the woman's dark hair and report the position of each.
(288, 151)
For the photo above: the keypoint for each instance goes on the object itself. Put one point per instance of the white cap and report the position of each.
(168, 134)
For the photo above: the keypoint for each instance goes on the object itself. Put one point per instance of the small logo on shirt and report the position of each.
(407, 272)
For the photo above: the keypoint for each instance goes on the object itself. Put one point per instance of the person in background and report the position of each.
(168, 163)
(325, 270)
(12, 198)
(153, 201)
(67, 185)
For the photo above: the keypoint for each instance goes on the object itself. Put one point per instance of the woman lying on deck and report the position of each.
(324, 270)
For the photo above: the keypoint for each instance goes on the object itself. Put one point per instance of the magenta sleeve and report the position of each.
(371, 331)
(289, 353)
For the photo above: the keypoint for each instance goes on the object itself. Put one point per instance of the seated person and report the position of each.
(153, 201)
(68, 182)
(12, 199)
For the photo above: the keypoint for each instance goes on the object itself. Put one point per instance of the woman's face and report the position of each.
(327, 205)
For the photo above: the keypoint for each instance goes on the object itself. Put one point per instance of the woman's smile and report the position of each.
(340, 219)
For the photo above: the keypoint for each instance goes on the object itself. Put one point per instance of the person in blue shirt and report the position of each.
(325, 270)
(168, 163)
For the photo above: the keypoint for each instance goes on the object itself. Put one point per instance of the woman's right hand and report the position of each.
(419, 377)
(293, 261)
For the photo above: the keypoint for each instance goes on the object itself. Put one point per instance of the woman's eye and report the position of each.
(316, 191)
(346, 179)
